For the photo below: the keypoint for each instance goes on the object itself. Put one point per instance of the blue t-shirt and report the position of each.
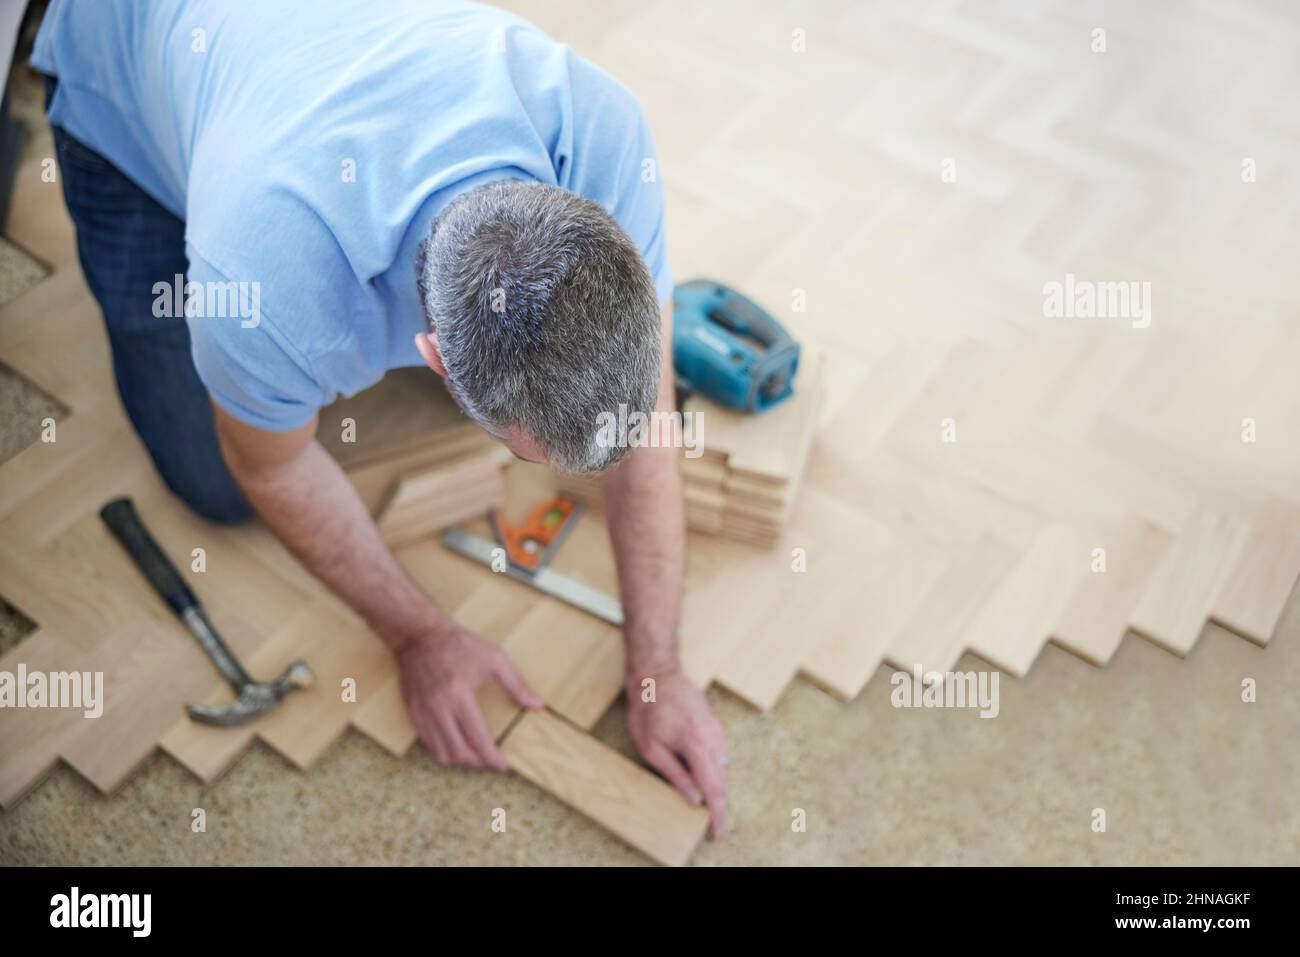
(309, 144)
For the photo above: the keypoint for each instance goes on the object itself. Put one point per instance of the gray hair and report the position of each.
(546, 317)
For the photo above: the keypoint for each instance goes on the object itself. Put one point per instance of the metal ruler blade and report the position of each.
(554, 583)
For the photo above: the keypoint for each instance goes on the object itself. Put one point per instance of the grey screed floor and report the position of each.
(1187, 774)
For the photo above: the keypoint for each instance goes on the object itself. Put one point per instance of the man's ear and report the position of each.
(427, 343)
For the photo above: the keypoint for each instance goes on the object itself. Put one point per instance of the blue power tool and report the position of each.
(727, 348)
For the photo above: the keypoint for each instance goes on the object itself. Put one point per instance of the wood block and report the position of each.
(813, 605)
(1093, 622)
(768, 447)
(589, 690)
(1010, 401)
(337, 646)
(763, 540)
(31, 739)
(775, 498)
(52, 301)
(891, 385)
(934, 638)
(528, 483)
(446, 576)
(382, 715)
(1012, 628)
(150, 670)
(1255, 593)
(581, 488)
(375, 479)
(888, 592)
(62, 359)
(241, 576)
(1178, 599)
(705, 498)
(409, 407)
(492, 610)
(81, 440)
(704, 470)
(497, 606)
(698, 520)
(111, 596)
(773, 445)
(209, 751)
(587, 554)
(755, 513)
(712, 510)
(572, 660)
(634, 804)
(757, 486)
(495, 610)
(115, 467)
(38, 220)
(722, 427)
(721, 611)
(428, 502)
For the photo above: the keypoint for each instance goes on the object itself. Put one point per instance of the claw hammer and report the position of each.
(252, 698)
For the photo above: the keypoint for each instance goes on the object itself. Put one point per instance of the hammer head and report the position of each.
(255, 698)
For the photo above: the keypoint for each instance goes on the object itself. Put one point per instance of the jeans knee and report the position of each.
(221, 503)
(223, 513)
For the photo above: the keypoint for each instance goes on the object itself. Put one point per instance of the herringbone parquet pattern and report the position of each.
(898, 183)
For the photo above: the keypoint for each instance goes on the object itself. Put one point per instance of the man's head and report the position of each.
(542, 316)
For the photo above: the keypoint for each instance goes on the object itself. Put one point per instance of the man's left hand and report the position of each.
(679, 736)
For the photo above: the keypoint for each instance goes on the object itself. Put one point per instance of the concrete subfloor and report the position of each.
(1186, 772)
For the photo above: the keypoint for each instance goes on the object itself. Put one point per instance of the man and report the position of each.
(359, 187)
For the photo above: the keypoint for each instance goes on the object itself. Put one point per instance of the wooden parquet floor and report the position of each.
(900, 184)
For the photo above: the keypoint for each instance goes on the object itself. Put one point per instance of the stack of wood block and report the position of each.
(406, 420)
(742, 478)
(423, 503)
(418, 462)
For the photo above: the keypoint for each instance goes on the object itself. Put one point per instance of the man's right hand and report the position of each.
(302, 494)
(441, 674)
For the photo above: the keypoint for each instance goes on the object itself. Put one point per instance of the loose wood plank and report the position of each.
(428, 502)
(597, 781)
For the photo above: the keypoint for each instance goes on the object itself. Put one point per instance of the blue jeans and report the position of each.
(127, 242)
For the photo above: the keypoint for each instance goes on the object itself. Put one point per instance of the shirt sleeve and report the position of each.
(611, 160)
(248, 367)
(640, 208)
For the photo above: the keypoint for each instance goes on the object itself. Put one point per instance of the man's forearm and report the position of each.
(647, 526)
(312, 507)
(647, 529)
